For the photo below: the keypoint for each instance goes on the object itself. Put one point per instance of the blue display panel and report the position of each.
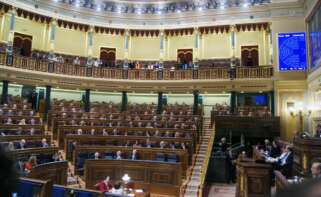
(314, 25)
(292, 51)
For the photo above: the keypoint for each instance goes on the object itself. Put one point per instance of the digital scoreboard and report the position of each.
(292, 51)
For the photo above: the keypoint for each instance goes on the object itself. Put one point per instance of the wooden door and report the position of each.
(184, 56)
(22, 44)
(250, 55)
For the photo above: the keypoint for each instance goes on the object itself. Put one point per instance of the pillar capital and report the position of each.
(232, 28)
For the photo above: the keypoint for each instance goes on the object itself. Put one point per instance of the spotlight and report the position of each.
(77, 4)
(159, 12)
(178, 11)
(200, 8)
(118, 10)
(98, 8)
(245, 5)
(139, 11)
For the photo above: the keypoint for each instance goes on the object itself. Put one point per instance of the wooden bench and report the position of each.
(144, 153)
(54, 171)
(105, 140)
(155, 177)
(65, 130)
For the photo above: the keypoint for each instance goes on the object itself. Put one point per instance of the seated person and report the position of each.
(318, 131)
(32, 161)
(96, 155)
(222, 145)
(133, 155)
(117, 189)
(22, 144)
(44, 143)
(22, 122)
(316, 169)
(276, 150)
(10, 146)
(104, 185)
(284, 162)
(32, 131)
(118, 155)
(79, 131)
(58, 156)
(32, 121)
(9, 121)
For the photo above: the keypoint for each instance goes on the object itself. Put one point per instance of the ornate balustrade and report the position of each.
(218, 73)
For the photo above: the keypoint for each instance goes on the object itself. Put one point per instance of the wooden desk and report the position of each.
(255, 127)
(103, 140)
(65, 130)
(154, 177)
(24, 127)
(55, 171)
(280, 181)
(45, 187)
(144, 153)
(305, 151)
(10, 138)
(253, 179)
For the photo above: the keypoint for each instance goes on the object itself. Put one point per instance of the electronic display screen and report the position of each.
(292, 51)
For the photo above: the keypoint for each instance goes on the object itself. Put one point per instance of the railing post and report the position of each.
(51, 66)
(232, 72)
(89, 71)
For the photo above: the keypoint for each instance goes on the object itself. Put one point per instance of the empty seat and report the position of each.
(160, 157)
(172, 158)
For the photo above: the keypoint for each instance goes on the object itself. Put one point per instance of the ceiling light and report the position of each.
(98, 8)
(159, 12)
(77, 4)
(200, 8)
(139, 11)
(245, 5)
(178, 11)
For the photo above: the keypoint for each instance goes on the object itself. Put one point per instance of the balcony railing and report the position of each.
(219, 73)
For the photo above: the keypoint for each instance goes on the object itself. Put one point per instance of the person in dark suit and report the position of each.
(22, 144)
(276, 150)
(316, 169)
(9, 176)
(223, 145)
(284, 162)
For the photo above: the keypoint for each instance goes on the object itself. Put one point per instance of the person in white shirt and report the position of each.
(117, 189)
(44, 143)
(96, 155)
(118, 155)
(76, 61)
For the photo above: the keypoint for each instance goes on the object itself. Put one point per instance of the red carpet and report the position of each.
(221, 190)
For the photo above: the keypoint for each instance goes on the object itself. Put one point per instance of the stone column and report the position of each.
(12, 13)
(160, 103)
(47, 101)
(87, 100)
(4, 96)
(124, 101)
(196, 98)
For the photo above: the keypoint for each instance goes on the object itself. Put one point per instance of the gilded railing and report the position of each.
(223, 73)
(202, 187)
(256, 72)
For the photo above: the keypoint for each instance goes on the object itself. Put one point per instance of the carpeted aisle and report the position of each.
(221, 190)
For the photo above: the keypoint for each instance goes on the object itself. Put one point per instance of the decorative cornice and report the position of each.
(254, 14)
